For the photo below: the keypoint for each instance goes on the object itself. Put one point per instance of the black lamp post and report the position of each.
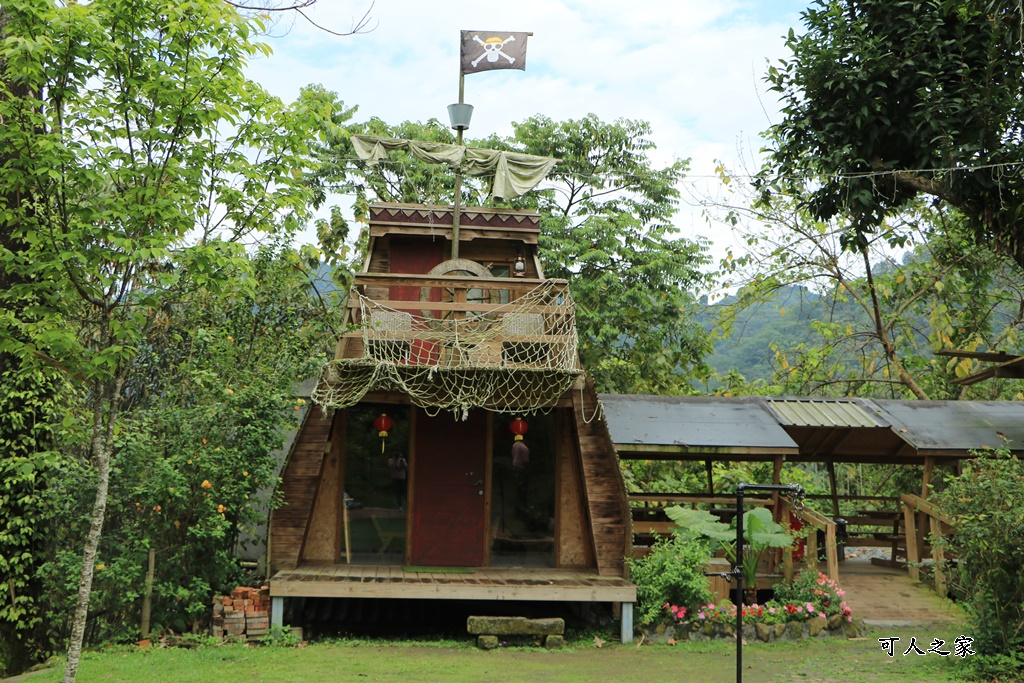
(794, 490)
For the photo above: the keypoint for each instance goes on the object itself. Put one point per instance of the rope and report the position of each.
(518, 358)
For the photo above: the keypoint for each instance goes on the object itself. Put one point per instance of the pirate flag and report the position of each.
(486, 50)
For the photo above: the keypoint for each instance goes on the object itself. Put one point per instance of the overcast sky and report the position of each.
(693, 69)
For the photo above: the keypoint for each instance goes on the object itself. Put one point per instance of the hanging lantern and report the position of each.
(518, 427)
(383, 425)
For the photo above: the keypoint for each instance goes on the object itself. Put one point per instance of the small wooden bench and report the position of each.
(488, 630)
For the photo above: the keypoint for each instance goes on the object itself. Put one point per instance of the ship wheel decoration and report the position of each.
(459, 267)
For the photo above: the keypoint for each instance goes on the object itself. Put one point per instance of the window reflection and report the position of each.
(523, 494)
(375, 495)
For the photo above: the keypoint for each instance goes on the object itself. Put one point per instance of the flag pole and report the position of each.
(456, 210)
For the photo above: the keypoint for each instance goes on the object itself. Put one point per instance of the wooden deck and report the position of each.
(384, 581)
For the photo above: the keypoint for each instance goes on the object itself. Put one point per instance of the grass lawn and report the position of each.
(830, 660)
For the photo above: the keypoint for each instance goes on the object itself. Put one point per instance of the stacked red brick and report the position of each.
(246, 612)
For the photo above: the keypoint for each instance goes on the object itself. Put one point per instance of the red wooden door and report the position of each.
(448, 500)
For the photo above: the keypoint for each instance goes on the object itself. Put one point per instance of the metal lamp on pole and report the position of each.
(794, 490)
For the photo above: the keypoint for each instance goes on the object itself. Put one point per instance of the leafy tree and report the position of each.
(208, 401)
(606, 213)
(874, 318)
(883, 101)
(139, 155)
(985, 503)
(608, 229)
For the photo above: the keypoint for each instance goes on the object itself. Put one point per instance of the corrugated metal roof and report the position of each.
(810, 412)
(694, 422)
(857, 430)
(934, 426)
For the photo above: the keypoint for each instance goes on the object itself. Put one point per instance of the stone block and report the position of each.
(764, 632)
(487, 642)
(515, 626)
(778, 631)
(816, 626)
(795, 630)
(554, 642)
(835, 622)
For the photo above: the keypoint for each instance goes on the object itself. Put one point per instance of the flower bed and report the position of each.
(812, 606)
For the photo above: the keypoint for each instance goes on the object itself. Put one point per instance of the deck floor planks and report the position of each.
(388, 581)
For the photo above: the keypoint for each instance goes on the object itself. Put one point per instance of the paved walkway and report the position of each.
(888, 597)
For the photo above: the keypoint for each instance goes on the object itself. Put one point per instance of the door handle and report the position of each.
(481, 481)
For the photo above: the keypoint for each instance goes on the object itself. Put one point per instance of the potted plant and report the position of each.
(760, 532)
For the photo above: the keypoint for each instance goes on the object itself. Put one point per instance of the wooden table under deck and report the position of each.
(389, 581)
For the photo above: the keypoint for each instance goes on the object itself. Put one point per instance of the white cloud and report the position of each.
(693, 68)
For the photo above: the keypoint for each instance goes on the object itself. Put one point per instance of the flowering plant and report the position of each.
(674, 612)
(815, 593)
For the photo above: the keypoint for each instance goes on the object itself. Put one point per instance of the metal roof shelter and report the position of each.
(809, 429)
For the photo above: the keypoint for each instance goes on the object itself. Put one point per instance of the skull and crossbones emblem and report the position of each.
(492, 49)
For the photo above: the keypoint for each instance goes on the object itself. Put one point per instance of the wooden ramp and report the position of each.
(889, 597)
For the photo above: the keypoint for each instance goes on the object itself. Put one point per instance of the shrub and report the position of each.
(986, 504)
(674, 574)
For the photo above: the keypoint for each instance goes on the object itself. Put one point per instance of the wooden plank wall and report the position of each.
(605, 492)
(574, 546)
(299, 481)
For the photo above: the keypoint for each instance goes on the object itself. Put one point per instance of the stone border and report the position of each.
(833, 627)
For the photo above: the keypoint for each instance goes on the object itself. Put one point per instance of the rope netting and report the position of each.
(517, 357)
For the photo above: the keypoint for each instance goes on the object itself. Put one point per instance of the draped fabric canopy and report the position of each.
(515, 174)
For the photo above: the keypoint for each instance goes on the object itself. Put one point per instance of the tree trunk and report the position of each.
(882, 333)
(104, 418)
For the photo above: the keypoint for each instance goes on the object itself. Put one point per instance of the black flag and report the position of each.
(486, 50)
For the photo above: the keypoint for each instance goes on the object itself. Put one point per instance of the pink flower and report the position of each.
(810, 608)
(700, 615)
(771, 610)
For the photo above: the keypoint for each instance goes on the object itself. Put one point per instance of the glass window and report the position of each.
(376, 485)
(523, 494)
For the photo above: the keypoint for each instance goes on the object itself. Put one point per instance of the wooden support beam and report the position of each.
(708, 467)
(913, 556)
(922, 519)
(787, 553)
(832, 487)
(832, 552)
(939, 556)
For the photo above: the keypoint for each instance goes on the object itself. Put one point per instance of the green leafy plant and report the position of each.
(987, 506)
(673, 574)
(760, 532)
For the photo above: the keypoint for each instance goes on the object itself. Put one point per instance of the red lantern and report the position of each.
(518, 427)
(383, 425)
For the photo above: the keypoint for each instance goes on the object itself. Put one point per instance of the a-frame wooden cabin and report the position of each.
(453, 345)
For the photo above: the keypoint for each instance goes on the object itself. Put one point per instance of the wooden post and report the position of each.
(832, 487)
(938, 555)
(775, 555)
(811, 548)
(711, 478)
(913, 557)
(626, 632)
(147, 596)
(276, 612)
(787, 554)
(832, 552)
(922, 518)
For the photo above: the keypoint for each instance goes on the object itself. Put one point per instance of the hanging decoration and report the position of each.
(518, 427)
(383, 425)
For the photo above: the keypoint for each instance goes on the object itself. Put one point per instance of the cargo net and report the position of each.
(520, 357)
